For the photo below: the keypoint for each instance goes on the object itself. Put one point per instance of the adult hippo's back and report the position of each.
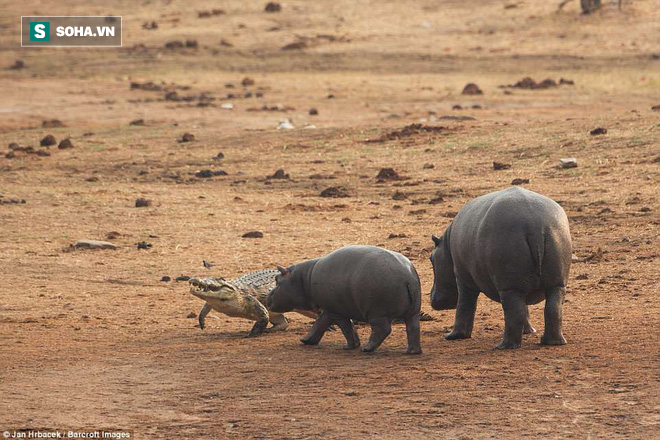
(514, 246)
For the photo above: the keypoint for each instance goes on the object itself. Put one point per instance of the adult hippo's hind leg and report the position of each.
(380, 329)
(554, 300)
(318, 329)
(528, 325)
(515, 316)
(348, 329)
(412, 331)
(465, 309)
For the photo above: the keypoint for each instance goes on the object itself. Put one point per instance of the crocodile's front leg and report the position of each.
(202, 315)
(259, 312)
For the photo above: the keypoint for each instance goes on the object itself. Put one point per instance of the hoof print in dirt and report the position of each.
(335, 191)
(501, 166)
(65, 144)
(142, 203)
(279, 174)
(519, 181)
(472, 89)
(253, 234)
(93, 244)
(144, 245)
(48, 140)
(598, 131)
(187, 137)
(53, 123)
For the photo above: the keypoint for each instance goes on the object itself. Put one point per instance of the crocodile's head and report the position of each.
(212, 288)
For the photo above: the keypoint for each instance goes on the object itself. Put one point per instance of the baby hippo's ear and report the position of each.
(436, 240)
(283, 270)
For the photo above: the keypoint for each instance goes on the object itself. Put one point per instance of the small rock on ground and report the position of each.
(93, 244)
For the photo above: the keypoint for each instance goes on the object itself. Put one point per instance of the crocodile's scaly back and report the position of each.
(258, 283)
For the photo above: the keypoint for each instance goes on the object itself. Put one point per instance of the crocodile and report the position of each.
(242, 297)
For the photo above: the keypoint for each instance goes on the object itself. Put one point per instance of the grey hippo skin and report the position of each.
(360, 283)
(514, 246)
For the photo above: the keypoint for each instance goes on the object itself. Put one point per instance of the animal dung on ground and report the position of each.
(142, 203)
(210, 173)
(273, 7)
(501, 165)
(253, 234)
(569, 162)
(598, 131)
(279, 174)
(65, 144)
(335, 191)
(187, 137)
(93, 244)
(519, 181)
(388, 174)
(48, 140)
(472, 89)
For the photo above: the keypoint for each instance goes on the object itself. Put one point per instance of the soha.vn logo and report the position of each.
(39, 31)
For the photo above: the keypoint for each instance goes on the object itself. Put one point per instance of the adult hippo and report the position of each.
(513, 245)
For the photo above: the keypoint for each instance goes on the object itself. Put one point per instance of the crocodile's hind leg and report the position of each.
(257, 310)
(202, 315)
(279, 321)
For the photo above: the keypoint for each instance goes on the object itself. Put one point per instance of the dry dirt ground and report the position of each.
(93, 339)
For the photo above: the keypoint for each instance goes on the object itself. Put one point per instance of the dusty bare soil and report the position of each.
(93, 339)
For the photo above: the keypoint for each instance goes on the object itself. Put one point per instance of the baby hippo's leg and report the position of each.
(412, 331)
(347, 328)
(380, 329)
(318, 329)
(528, 325)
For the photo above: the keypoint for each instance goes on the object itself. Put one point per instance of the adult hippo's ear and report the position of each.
(436, 240)
(283, 270)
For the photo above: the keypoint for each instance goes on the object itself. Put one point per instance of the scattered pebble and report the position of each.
(137, 122)
(93, 244)
(253, 234)
(209, 173)
(428, 166)
(219, 156)
(166, 279)
(273, 7)
(279, 174)
(501, 165)
(18, 65)
(285, 124)
(182, 278)
(472, 89)
(144, 245)
(656, 108)
(247, 81)
(187, 137)
(48, 140)
(227, 106)
(399, 195)
(141, 203)
(569, 162)
(598, 131)
(112, 235)
(313, 112)
(388, 174)
(191, 315)
(519, 181)
(393, 235)
(335, 192)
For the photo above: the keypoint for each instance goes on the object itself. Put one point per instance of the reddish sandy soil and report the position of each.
(94, 339)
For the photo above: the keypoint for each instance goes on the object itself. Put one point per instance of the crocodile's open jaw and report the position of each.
(209, 287)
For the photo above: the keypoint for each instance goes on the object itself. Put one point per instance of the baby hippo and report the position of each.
(514, 246)
(361, 283)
